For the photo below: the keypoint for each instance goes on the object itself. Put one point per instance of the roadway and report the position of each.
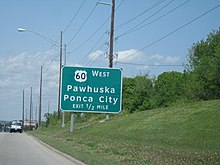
(22, 149)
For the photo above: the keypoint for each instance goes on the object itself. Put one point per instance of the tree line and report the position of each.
(199, 81)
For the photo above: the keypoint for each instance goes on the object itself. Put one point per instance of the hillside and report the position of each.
(186, 134)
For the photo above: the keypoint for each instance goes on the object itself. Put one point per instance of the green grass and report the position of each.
(188, 134)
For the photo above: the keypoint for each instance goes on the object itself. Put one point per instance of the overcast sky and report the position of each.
(148, 34)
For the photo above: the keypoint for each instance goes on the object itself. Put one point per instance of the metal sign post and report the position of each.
(72, 122)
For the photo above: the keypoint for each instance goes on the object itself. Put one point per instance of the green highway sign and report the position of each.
(97, 90)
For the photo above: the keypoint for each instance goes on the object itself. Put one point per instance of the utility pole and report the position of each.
(39, 116)
(65, 54)
(23, 108)
(58, 111)
(48, 107)
(30, 109)
(36, 114)
(26, 114)
(112, 35)
(63, 113)
(111, 41)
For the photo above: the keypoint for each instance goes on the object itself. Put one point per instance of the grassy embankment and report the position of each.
(188, 134)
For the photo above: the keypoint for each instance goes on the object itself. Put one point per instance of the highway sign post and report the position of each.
(96, 90)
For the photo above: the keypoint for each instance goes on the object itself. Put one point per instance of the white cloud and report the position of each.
(157, 57)
(95, 55)
(172, 60)
(23, 71)
(130, 55)
(162, 59)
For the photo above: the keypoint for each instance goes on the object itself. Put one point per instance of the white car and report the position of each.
(16, 127)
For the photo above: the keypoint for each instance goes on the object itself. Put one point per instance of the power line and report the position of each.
(46, 70)
(119, 5)
(142, 13)
(92, 48)
(90, 36)
(47, 59)
(156, 41)
(129, 63)
(100, 48)
(82, 25)
(96, 30)
(96, 56)
(99, 56)
(53, 89)
(74, 16)
(139, 24)
(135, 29)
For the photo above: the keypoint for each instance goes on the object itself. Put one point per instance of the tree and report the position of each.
(144, 93)
(204, 67)
(137, 93)
(128, 94)
(170, 88)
